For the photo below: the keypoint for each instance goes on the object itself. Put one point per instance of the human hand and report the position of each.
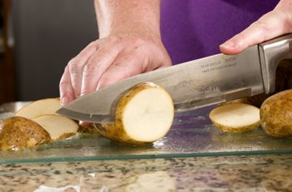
(109, 60)
(275, 23)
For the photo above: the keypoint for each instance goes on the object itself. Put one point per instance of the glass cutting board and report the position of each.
(191, 135)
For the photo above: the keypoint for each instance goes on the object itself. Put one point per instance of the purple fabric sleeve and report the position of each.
(193, 29)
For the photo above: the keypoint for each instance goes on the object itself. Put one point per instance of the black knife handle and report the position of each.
(272, 52)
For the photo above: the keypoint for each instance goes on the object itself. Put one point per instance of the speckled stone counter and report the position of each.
(227, 173)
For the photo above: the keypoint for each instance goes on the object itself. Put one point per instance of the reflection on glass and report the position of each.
(191, 135)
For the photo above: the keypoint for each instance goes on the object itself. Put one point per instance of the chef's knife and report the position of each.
(195, 84)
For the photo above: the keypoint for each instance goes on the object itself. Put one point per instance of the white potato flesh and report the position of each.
(39, 107)
(57, 126)
(236, 116)
(148, 115)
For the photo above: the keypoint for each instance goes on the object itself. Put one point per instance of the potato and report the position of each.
(44, 113)
(57, 126)
(242, 100)
(40, 107)
(88, 129)
(143, 115)
(235, 117)
(35, 124)
(283, 82)
(276, 114)
(18, 133)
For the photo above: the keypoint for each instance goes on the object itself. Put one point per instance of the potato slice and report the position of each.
(57, 126)
(39, 107)
(18, 133)
(235, 117)
(276, 114)
(144, 114)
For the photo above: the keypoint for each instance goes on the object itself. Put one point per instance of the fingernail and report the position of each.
(228, 45)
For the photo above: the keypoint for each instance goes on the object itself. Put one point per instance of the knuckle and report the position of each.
(261, 25)
(63, 83)
(71, 63)
(114, 38)
(92, 68)
(73, 68)
(137, 42)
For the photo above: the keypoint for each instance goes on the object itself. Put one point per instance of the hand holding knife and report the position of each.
(197, 83)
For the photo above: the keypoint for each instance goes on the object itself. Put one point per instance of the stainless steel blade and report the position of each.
(192, 85)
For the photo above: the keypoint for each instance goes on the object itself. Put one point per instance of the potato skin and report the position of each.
(233, 129)
(17, 133)
(115, 131)
(276, 114)
(242, 129)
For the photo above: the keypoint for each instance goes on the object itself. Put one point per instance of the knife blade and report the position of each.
(194, 84)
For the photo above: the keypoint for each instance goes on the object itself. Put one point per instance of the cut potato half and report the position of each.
(17, 133)
(57, 126)
(235, 117)
(144, 114)
(40, 107)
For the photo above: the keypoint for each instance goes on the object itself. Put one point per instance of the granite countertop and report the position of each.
(254, 173)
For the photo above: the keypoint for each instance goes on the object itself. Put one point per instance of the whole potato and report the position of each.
(276, 114)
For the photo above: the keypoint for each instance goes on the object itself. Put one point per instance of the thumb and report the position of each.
(271, 25)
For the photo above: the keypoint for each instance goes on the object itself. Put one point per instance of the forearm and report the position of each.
(128, 17)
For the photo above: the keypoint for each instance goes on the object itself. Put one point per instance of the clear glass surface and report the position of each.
(191, 135)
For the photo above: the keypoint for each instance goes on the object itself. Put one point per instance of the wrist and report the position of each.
(128, 17)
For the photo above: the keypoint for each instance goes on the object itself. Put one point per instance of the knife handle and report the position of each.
(271, 53)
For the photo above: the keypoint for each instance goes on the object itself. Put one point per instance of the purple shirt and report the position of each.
(193, 29)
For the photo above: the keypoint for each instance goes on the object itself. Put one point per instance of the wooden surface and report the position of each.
(7, 75)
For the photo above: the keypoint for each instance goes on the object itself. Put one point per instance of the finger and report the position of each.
(97, 65)
(124, 67)
(66, 89)
(267, 27)
(76, 66)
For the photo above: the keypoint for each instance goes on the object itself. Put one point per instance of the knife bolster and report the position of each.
(272, 52)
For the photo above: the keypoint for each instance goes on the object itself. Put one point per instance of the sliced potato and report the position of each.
(88, 129)
(18, 133)
(39, 107)
(242, 100)
(144, 114)
(235, 117)
(276, 114)
(35, 124)
(57, 126)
